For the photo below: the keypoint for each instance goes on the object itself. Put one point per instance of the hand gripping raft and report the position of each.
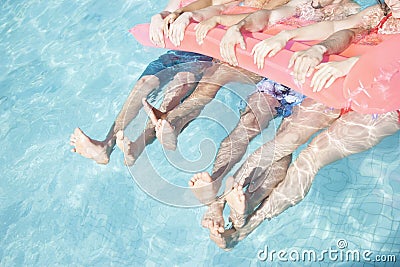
(372, 86)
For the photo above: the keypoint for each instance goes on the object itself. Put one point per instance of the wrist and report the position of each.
(161, 15)
(178, 12)
(287, 35)
(236, 27)
(320, 48)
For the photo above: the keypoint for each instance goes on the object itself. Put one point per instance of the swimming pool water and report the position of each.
(66, 64)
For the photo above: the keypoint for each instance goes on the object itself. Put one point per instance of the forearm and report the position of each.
(254, 22)
(261, 19)
(229, 20)
(317, 31)
(200, 4)
(322, 30)
(337, 42)
(208, 12)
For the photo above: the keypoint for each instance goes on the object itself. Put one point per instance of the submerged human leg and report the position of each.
(176, 90)
(259, 111)
(295, 130)
(350, 134)
(100, 151)
(213, 79)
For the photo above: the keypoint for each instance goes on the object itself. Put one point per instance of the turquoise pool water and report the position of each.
(66, 64)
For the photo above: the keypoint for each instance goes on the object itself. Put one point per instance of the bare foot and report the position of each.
(166, 134)
(226, 240)
(89, 148)
(204, 188)
(237, 203)
(164, 131)
(213, 219)
(129, 148)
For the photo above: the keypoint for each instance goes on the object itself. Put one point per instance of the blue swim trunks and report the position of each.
(167, 65)
(287, 97)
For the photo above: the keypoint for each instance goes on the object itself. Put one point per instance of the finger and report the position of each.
(165, 29)
(181, 33)
(320, 70)
(203, 35)
(175, 35)
(310, 71)
(255, 48)
(171, 33)
(293, 59)
(296, 68)
(160, 37)
(242, 44)
(198, 36)
(232, 55)
(303, 69)
(222, 51)
(261, 54)
(323, 77)
(322, 81)
(330, 82)
(274, 51)
(254, 53)
(227, 54)
(321, 66)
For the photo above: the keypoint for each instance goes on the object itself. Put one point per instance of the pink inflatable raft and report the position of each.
(372, 86)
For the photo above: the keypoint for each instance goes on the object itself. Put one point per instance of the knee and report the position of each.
(289, 138)
(251, 124)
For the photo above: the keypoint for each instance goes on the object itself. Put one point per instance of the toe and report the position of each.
(77, 131)
(191, 182)
(120, 135)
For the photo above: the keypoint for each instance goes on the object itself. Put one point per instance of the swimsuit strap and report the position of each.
(380, 24)
(344, 111)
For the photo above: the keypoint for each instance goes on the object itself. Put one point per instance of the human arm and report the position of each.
(206, 25)
(304, 62)
(317, 31)
(176, 23)
(197, 5)
(254, 22)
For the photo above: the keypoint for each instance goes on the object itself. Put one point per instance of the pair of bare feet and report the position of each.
(100, 151)
(204, 188)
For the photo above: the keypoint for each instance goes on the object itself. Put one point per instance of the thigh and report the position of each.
(306, 119)
(352, 133)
